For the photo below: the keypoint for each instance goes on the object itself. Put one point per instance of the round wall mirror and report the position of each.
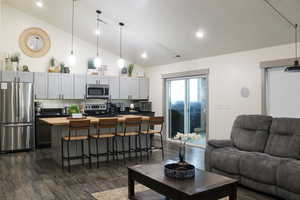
(34, 42)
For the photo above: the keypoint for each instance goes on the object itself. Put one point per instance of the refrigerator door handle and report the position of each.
(18, 125)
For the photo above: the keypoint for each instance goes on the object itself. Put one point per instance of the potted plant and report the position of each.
(130, 69)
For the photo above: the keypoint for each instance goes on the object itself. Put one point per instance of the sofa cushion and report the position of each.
(284, 139)
(226, 159)
(260, 167)
(288, 176)
(250, 132)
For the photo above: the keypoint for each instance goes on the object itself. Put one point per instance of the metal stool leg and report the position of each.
(117, 149)
(82, 152)
(129, 147)
(140, 144)
(147, 147)
(97, 153)
(62, 154)
(123, 148)
(136, 146)
(90, 156)
(107, 149)
(69, 162)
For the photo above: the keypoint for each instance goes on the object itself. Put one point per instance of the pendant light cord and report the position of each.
(295, 26)
(73, 16)
(121, 26)
(98, 33)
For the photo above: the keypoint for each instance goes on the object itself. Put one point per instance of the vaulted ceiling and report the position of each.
(164, 28)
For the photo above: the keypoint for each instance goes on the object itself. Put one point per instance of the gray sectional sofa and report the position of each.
(263, 154)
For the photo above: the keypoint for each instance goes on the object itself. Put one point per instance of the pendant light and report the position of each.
(97, 59)
(72, 57)
(121, 61)
(296, 66)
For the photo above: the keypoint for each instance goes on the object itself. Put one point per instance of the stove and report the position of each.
(96, 109)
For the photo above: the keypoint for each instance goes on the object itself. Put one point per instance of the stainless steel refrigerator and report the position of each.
(16, 116)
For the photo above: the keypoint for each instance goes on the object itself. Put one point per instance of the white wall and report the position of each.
(228, 74)
(15, 21)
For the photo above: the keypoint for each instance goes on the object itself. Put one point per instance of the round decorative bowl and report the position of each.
(180, 170)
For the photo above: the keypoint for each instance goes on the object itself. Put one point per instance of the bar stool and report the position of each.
(105, 124)
(132, 123)
(75, 125)
(151, 131)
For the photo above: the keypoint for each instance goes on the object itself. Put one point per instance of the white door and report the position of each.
(79, 86)
(67, 86)
(114, 87)
(25, 77)
(54, 86)
(8, 76)
(40, 85)
(92, 79)
(143, 88)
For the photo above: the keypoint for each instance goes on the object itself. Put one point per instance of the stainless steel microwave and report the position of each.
(94, 91)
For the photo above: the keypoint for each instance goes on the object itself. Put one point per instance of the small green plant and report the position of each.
(73, 109)
(130, 69)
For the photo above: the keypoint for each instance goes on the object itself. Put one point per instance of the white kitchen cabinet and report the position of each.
(8, 76)
(143, 88)
(104, 80)
(92, 79)
(67, 86)
(114, 87)
(25, 77)
(79, 86)
(54, 86)
(40, 85)
(129, 88)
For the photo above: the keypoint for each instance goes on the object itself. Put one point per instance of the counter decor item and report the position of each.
(73, 109)
(182, 169)
(54, 66)
(15, 61)
(130, 69)
(34, 42)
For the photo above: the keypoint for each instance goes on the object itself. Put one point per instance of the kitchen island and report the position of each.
(60, 128)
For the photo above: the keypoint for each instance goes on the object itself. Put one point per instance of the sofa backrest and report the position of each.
(284, 139)
(250, 132)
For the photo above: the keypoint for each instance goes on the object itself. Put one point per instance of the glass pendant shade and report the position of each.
(72, 59)
(97, 62)
(121, 63)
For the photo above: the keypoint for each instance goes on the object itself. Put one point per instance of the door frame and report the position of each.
(182, 75)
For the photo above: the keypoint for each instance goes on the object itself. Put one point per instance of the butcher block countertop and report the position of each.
(63, 121)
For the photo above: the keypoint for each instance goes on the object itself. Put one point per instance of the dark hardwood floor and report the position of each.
(33, 175)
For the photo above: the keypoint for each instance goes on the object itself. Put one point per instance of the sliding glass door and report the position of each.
(187, 107)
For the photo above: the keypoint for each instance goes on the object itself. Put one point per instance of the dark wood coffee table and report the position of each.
(204, 186)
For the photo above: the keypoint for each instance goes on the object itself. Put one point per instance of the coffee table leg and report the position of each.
(233, 193)
(130, 186)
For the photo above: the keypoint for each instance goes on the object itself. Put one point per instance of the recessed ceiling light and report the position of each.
(144, 55)
(39, 3)
(200, 34)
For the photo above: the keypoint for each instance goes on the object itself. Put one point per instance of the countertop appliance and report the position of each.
(145, 106)
(94, 91)
(95, 109)
(16, 116)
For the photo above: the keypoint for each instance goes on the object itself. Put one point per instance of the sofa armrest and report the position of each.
(220, 143)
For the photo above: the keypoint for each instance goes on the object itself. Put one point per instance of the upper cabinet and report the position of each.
(7, 76)
(61, 86)
(40, 85)
(143, 88)
(79, 86)
(114, 88)
(92, 79)
(129, 88)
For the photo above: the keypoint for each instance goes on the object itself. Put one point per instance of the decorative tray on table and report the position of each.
(181, 170)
